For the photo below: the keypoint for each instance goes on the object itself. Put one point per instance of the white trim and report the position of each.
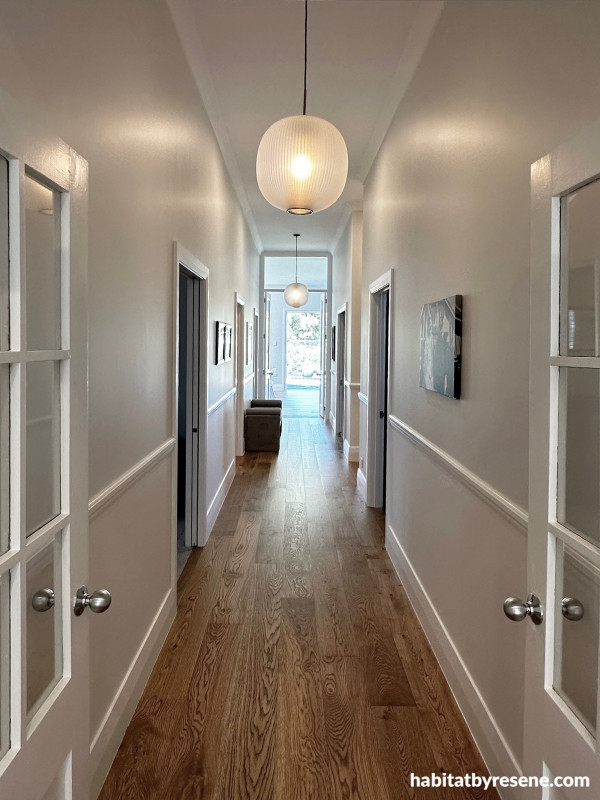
(332, 419)
(374, 445)
(381, 283)
(361, 483)
(248, 378)
(483, 490)
(354, 387)
(490, 740)
(350, 451)
(183, 258)
(110, 493)
(111, 730)
(221, 401)
(239, 311)
(363, 399)
(216, 505)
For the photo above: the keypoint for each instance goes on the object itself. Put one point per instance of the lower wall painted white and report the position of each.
(458, 558)
(220, 454)
(131, 524)
(216, 504)
(350, 451)
(361, 483)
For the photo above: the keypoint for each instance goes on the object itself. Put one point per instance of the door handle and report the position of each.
(43, 600)
(97, 602)
(381, 414)
(572, 609)
(516, 610)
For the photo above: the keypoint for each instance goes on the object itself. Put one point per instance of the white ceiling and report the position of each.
(281, 270)
(247, 57)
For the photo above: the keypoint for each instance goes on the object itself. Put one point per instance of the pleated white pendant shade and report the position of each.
(302, 164)
(295, 295)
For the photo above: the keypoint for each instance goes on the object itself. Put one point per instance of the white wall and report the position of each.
(447, 206)
(346, 288)
(111, 80)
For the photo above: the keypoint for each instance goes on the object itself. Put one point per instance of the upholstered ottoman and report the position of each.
(262, 427)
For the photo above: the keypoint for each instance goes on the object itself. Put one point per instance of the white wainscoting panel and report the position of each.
(460, 551)
(130, 549)
(216, 504)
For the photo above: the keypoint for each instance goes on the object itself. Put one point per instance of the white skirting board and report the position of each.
(494, 749)
(109, 736)
(361, 483)
(216, 505)
(350, 451)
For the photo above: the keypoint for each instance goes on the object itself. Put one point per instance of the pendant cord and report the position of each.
(296, 235)
(305, 53)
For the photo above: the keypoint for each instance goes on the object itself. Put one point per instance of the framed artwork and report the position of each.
(333, 343)
(249, 341)
(220, 338)
(228, 340)
(441, 346)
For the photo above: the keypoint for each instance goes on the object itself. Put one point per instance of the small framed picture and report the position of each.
(221, 339)
(228, 340)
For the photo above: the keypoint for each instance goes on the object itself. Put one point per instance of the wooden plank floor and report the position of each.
(296, 668)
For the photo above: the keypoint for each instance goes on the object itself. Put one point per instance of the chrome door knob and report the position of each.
(97, 602)
(43, 600)
(517, 610)
(572, 609)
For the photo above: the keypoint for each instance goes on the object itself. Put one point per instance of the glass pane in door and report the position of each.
(43, 266)
(4, 258)
(4, 456)
(580, 272)
(579, 451)
(44, 630)
(576, 641)
(4, 662)
(43, 443)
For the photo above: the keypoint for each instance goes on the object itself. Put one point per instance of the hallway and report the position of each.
(295, 668)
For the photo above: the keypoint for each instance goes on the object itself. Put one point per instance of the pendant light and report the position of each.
(296, 294)
(302, 161)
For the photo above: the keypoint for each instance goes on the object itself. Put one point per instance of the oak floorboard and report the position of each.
(296, 552)
(134, 774)
(248, 757)
(230, 605)
(172, 670)
(269, 549)
(302, 767)
(387, 683)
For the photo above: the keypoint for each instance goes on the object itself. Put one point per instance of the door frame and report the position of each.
(255, 353)
(183, 258)
(239, 319)
(340, 361)
(326, 322)
(374, 453)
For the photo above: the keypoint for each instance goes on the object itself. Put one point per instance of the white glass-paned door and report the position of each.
(44, 694)
(562, 678)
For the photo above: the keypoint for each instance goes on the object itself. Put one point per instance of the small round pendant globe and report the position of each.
(295, 294)
(302, 164)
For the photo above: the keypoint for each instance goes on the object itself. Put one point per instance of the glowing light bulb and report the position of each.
(301, 167)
